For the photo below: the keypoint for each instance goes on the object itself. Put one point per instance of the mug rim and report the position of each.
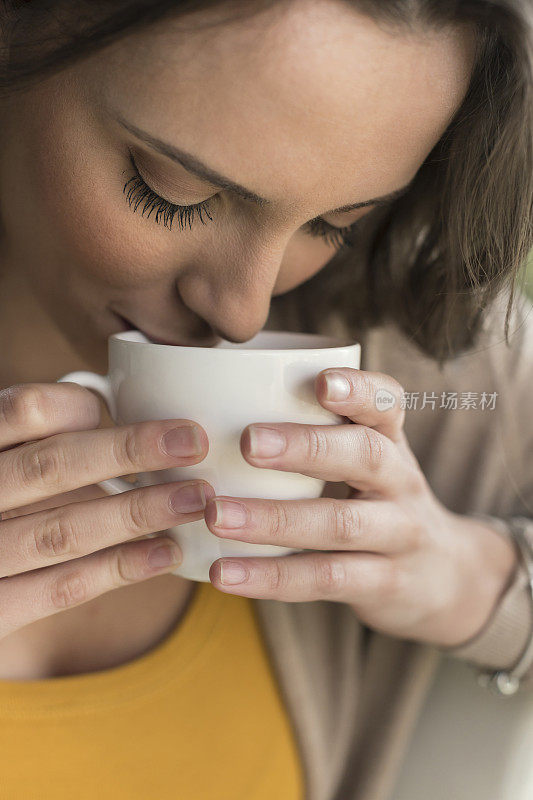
(125, 338)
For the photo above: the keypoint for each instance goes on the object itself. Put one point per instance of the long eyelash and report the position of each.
(337, 237)
(138, 193)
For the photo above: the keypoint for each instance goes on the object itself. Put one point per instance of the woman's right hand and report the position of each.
(61, 557)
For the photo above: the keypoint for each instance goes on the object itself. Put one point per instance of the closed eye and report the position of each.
(140, 196)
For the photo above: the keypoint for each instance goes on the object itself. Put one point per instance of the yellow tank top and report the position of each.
(198, 717)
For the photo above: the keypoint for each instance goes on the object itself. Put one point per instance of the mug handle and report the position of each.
(101, 385)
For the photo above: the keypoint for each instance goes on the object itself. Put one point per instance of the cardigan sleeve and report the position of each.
(479, 463)
(507, 632)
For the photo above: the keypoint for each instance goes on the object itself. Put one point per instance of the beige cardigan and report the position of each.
(354, 694)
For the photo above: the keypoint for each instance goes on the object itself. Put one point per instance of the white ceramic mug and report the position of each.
(224, 388)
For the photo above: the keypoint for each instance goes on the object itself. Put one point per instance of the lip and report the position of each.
(127, 325)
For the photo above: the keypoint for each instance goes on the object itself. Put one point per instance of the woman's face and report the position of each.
(307, 107)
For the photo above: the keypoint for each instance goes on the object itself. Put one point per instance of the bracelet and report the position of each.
(506, 682)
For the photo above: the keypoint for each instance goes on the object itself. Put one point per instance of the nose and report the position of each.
(234, 315)
(229, 337)
(235, 301)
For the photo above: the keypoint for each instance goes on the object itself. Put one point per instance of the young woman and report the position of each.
(200, 170)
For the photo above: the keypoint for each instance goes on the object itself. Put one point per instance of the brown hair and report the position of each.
(433, 260)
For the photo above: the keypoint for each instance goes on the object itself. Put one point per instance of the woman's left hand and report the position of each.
(407, 565)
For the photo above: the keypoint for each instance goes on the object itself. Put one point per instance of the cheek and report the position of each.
(64, 212)
(304, 256)
(87, 223)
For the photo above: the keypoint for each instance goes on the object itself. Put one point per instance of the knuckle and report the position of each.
(346, 523)
(136, 512)
(68, 590)
(279, 520)
(373, 448)
(277, 577)
(317, 445)
(23, 405)
(127, 449)
(366, 387)
(329, 575)
(54, 537)
(44, 464)
(123, 566)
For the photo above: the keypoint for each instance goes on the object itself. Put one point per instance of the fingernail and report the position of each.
(230, 514)
(337, 387)
(188, 498)
(182, 441)
(231, 573)
(164, 555)
(266, 442)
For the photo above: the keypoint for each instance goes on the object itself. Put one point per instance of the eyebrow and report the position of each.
(201, 170)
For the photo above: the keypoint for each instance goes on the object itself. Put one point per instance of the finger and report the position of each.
(66, 461)
(33, 595)
(355, 454)
(368, 398)
(377, 526)
(356, 578)
(69, 531)
(30, 411)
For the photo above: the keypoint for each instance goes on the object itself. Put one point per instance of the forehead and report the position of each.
(322, 95)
